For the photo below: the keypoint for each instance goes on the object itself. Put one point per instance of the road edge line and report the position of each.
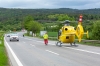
(10, 52)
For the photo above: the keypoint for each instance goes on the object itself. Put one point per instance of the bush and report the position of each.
(96, 31)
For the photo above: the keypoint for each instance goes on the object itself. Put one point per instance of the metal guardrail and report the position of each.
(92, 41)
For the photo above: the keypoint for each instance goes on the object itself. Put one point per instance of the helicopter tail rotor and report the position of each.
(80, 30)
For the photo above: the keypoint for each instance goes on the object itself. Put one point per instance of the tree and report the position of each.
(60, 17)
(34, 27)
(26, 22)
(96, 30)
(27, 19)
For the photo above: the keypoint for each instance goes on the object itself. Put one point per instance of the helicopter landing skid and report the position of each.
(73, 44)
(59, 43)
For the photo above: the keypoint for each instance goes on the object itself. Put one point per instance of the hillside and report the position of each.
(15, 16)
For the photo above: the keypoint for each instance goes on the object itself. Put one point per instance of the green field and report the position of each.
(52, 34)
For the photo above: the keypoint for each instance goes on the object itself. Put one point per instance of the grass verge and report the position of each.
(3, 54)
(89, 43)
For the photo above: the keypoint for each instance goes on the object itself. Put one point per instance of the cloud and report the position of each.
(78, 4)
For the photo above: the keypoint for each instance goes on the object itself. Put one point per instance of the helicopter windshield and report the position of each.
(67, 24)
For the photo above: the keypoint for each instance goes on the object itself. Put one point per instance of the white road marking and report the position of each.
(40, 41)
(23, 42)
(32, 45)
(72, 48)
(26, 38)
(17, 60)
(52, 52)
(83, 50)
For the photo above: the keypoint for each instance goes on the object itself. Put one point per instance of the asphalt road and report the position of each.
(31, 51)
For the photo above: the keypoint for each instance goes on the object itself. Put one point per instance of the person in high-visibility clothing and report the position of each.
(45, 36)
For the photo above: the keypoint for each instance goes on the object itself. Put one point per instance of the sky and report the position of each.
(50, 4)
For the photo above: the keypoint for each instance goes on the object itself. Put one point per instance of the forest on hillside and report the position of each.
(11, 19)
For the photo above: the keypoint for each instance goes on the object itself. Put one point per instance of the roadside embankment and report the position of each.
(4, 60)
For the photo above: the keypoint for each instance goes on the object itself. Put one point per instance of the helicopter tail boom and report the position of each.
(87, 34)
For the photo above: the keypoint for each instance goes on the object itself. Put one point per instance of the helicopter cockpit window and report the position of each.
(67, 24)
(66, 29)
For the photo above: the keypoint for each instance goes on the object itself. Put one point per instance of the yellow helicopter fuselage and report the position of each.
(67, 34)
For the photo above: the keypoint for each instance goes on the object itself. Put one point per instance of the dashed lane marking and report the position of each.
(72, 48)
(52, 52)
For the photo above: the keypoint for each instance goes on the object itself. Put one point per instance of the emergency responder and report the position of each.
(45, 36)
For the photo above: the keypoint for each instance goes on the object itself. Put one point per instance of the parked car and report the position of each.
(14, 37)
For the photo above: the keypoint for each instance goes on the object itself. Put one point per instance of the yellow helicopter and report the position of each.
(67, 33)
